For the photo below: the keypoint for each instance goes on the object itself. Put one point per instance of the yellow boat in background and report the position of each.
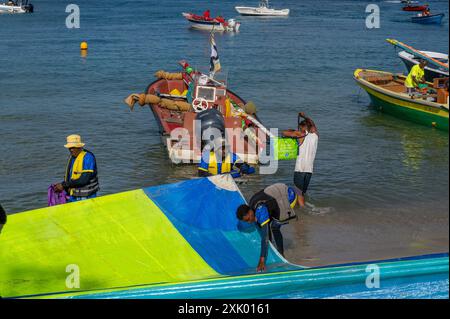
(388, 94)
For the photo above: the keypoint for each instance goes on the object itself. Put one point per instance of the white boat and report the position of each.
(212, 24)
(431, 71)
(262, 10)
(17, 6)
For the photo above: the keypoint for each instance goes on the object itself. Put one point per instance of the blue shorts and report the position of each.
(301, 181)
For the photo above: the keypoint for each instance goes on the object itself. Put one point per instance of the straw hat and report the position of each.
(74, 141)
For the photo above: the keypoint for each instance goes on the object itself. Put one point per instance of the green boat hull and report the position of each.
(412, 115)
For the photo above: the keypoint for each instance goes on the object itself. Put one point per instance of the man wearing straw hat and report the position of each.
(80, 181)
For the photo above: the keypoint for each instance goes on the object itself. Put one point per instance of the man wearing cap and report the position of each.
(270, 208)
(222, 161)
(80, 180)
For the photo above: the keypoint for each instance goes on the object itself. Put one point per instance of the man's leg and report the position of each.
(301, 181)
(277, 236)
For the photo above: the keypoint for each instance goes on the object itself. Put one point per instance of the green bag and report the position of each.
(284, 148)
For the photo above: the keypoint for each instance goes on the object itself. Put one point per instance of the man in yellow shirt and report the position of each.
(415, 77)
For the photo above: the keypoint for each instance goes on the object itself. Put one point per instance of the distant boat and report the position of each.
(388, 94)
(428, 19)
(431, 71)
(18, 6)
(415, 8)
(262, 10)
(209, 24)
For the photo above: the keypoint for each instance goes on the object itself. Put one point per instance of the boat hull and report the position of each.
(212, 24)
(414, 8)
(258, 11)
(431, 19)
(11, 9)
(405, 108)
(187, 151)
(430, 72)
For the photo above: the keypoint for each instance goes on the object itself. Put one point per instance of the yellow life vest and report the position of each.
(77, 169)
(213, 167)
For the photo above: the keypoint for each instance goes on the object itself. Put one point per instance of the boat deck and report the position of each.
(392, 83)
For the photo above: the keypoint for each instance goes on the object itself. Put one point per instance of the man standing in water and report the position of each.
(308, 138)
(270, 208)
(80, 180)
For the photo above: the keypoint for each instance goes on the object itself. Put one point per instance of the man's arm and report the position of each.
(264, 247)
(263, 219)
(292, 133)
(311, 125)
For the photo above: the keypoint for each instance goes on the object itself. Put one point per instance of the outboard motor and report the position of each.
(28, 7)
(211, 118)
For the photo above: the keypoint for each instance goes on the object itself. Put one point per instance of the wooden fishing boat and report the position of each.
(388, 94)
(217, 24)
(415, 8)
(187, 103)
(428, 19)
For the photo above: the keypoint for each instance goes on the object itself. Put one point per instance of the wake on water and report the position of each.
(311, 209)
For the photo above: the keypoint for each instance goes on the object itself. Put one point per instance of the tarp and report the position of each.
(180, 240)
(165, 234)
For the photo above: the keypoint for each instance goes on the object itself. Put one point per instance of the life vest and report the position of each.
(213, 167)
(77, 169)
(276, 205)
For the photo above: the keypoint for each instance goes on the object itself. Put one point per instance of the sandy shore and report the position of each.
(341, 237)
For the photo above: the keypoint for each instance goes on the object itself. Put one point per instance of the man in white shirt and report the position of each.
(308, 138)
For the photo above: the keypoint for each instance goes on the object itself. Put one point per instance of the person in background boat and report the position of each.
(3, 218)
(81, 181)
(426, 12)
(308, 138)
(270, 209)
(415, 77)
(207, 15)
(229, 162)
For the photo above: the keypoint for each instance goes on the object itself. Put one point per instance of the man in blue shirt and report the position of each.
(81, 181)
(270, 208)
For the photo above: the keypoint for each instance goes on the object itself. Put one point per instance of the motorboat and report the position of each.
(428, 18)
(190, 102)
(415, 8)
(432, 71)
(204, 22)
(17, 6)
(262, 10)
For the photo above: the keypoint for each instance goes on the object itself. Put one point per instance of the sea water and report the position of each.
(380, 184)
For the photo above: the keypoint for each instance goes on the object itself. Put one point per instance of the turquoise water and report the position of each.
(378, 178)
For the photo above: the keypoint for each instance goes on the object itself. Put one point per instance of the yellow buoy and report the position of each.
(83, 46)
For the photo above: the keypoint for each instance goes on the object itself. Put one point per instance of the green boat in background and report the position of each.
(388, 94)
